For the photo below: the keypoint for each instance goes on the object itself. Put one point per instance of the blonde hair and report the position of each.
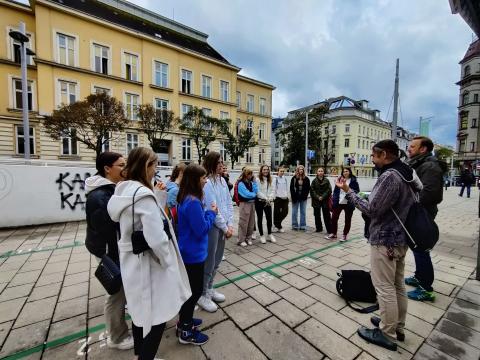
(297, 175)
(245, 172)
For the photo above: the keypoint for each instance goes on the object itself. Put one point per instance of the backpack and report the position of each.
(173, 217)
(235, 197)
(356, 285)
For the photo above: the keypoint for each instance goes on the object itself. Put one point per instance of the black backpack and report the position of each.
(356, 285)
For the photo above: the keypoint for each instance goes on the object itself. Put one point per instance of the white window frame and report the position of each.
(250, 125)
(94, 43)
(191, 80)
(76, 38)
(224, 115)
(347, 128)
(157, 99)
(263, 106)
(70, 147)
(124, 64)
(261, 156)
(206, 85)
(223, 151)
(238, 126)
(248, 156)
(182, 113)
(346, 142)
(186, 149)
(11, 42)
(262, 131)
(161, 72)
(139, 101)
(17, 143)
(472, 146)
(106, 146)
(224, 95)
(58, 82)
(252, 107)
(238, 99)
(207, 111)
(132, 141)
(334, 129)
(12, 91)
(96, 86)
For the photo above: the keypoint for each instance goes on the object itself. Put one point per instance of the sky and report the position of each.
(312, 50)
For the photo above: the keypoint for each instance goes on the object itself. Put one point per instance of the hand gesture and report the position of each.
(214, 208)
(342, 184)
(160, 185)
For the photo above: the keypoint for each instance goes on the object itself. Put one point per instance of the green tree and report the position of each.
(91, 121)
(155, 123)
(237, 144)
(444, 154)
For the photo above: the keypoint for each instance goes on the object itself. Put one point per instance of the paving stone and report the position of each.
(464, 319)
(325, 296)
(263, 295)
(96, 289)
(246, 283)
(325, 282)
(49, 279)
(227, 342)
(25, 278)
(288, 313)
(333, 319)
(36, 311)
(279, 342)
(303, 272)
(472, 286)
(15, 292)
(253, 258)
(365, 356)
(4, 329)
(73, 291)
(424, 311)
(78, 267)
(459, 332)
(412, 342)
(96, 306)
(467, 307)
(246, 313)
(469, 296)
(226, 268)
(70, 308)
(327, 341)
(236, 260)
(10, 309)
(171, 350)
(297, 298)
(418, 326)
(427, 352)
(66, 327)
(210, 319)
(232, 294)
(41, 292)
(68, 352)
(453, 347)
(327, 271)
(33, 265)
(248, 268)
(276, 285)
(25, 338)
(296, 281)
(55, 267)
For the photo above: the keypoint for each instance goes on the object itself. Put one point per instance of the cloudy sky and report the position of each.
(315, 49)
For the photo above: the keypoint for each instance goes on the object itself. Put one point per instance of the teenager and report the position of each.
(247, 192)
(299, 189)
(264, 202)
(320, 191)
(280, 209)
(173, 184)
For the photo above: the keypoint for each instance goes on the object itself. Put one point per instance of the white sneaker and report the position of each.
(272, 238)
(223, 258)
(262, 239)
(253, 236)
(243, 244)
(249, 242)
(281, 230)
(216, 296)
(207, 304)
(125, 344)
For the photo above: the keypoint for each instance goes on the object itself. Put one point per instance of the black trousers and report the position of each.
(261, 208)
(280, 211)
(326, 217)
(195, 277)
(146, 348)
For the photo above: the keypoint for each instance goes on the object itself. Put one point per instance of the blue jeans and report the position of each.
(295, 206)
(463, 188)
(424, 269)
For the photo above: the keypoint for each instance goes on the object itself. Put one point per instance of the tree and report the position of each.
(90, 121)
(155, 123)
(237, 144)
(201, 128)
(444, 153)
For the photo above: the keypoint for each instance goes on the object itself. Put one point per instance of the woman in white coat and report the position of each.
(155, 281)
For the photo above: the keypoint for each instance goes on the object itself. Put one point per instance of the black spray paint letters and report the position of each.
(71, 194)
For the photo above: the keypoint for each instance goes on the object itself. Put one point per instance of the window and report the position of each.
(100, 90)
(161, 74)
(325, 144)
(21, 141)
(101, 55)
(263, 106)
(16, 49)
(461, 145)
(475, 98)
(106, 143)
(17, 98)
(131, 66)
(132, 142)
(359, 129)
(186, 81)
(224, 115)
(131, 106)
(186, 149)
(465, 98)
(326, 130)
(276, 154)
(474, 123)
(363, 144)
(261, 131)
(66, 49)
(334, 129)
(347, 128)
(472, 146)
(223, 152)
(364, 130)
(358, 144)
(463, 121)
(466, 71)
(185, 109)
(261, 156)
(347, 143)
(238, 126)
(248, 156)
(207, 112)
(206, 86)
(224, 90)
(239, 99)
(250, 103)
(333, 144)
(161, 104)
(68, 92)
(250, 126)
(69, 144)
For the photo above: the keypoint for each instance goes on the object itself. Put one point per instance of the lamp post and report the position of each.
(22, 38)
(306, 141)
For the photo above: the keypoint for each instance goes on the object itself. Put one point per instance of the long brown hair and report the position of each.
(210, 163)
(138, 161)
(245, 172)
(297, 175)
(269, 176)
(177, 170)
(190, 184)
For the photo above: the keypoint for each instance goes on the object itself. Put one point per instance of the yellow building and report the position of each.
(133, 54)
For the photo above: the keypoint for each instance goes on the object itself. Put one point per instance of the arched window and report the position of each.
(465, 98)
(466, 71)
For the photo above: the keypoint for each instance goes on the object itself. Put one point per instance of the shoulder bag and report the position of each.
(108, 273)
(356, 285)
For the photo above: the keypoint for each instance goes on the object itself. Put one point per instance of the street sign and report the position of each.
(311, 154)
(352, 161)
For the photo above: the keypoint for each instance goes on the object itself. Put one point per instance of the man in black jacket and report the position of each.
(430, 171)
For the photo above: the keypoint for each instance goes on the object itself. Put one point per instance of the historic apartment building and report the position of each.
(133, 54)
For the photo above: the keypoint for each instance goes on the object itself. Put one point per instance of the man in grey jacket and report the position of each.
(430, 171)
(394, 190)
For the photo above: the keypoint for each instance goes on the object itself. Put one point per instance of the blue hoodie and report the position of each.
(172, 192)
(194, 224)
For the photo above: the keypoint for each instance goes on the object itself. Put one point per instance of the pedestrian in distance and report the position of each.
(217, 193)
(466, 179)
(320, 192)
(264, 202)
(280, 209)
(155, 280)
(226, 177)
(340, 203)
(102, 237)
(393, 191)
(299, 190)
(247, 192)
(194, 224)
(430, 171)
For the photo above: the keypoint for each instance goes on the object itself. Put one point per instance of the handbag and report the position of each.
(356, 285)
(108, 273)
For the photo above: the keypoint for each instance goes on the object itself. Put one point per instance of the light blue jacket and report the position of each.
(216, 191)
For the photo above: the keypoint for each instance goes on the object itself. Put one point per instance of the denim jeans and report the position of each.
(302, 205)
(216, 247)
(424, 269)
(463, 188)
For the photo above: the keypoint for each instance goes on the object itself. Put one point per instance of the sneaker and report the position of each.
(196, 324)
(262, 239)
(319, 230)
(420, 294)
(254, 236)
(412, 281)
(125, 344)
(271, 238)
(216, 296)
(249, 242)
(344, 238)
(193, 337)
(242, 244)
(223, 258)
(375, 320)
(207, 304)
(331, 236)
(281, 230)
(295, 228)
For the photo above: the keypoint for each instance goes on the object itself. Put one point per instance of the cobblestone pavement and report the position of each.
(281, 298)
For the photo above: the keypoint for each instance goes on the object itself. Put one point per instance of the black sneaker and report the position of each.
(375, 336)
(193, 337)
(375, 320)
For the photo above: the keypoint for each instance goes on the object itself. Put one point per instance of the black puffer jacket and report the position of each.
(101, 229)
(295, 192)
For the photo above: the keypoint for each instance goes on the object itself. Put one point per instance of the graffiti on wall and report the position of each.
(71, 188)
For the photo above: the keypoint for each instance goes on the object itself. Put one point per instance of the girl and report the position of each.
(247, 192)
(320, 193)
(155, 281)
(280, 210)
(264, 202)
(340, 203)
(299, 189)
(194, 223)
(173, 184)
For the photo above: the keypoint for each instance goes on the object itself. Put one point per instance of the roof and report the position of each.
(255, 81)
(340, 102)
(135, 18)
(473, 51)
(469, 10)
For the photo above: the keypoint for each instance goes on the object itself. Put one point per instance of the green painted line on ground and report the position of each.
(84, 333)
(32, 251)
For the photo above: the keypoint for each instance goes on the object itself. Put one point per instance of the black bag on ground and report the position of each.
(356, 285)
(108, 273)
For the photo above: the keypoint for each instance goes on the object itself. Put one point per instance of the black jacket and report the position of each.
(430, 171)
(467, 177)
(101, 229)
(295, 192)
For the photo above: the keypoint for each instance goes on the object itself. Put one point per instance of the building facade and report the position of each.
(277, 150)
(135, 55)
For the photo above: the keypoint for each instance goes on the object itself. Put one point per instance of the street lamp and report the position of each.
(22, 38)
